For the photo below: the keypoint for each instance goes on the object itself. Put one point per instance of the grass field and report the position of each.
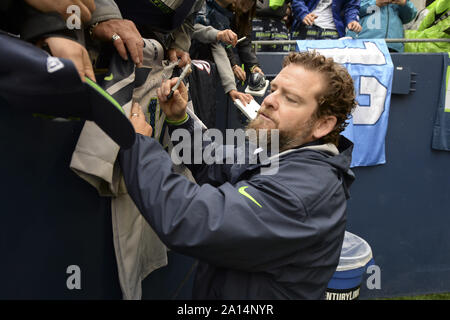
(433, 296)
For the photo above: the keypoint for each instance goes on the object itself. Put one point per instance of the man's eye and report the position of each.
(290, 100)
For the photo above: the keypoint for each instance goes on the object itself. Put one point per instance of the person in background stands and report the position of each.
(384, 19)
(324, 19)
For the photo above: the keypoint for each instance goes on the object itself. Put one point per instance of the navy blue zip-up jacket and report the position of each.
(344, 12)
(256, 236)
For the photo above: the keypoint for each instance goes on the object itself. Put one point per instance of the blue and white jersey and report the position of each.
(369, 64)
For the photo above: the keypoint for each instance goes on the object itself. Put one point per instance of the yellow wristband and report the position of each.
(177, 123)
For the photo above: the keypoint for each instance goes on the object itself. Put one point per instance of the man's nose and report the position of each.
(272, 101)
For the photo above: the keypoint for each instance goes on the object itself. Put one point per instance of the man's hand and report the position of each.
(227, 36)
(309, 19)
(137, 119)
(257, 69)
(354, 26)
(174, 108)
(239, 73)
(129, 37)
(243, 97)
(60, 6)
(69, 49)
(175, 54)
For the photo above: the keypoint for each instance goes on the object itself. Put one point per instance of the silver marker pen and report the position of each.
(185, 72)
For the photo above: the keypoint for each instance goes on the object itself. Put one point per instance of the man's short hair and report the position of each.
(338, 95)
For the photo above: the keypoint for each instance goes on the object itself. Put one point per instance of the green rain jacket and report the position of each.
(436, 24)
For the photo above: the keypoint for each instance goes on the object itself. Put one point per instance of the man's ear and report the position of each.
(324, 126)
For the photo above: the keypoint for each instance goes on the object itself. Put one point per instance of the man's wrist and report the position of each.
(178, 121)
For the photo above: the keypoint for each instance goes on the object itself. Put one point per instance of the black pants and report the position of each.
(305, 32)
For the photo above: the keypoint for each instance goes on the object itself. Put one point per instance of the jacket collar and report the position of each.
(317, 145)
(239, 170)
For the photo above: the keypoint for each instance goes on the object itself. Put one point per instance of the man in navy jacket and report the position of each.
(257, 234)
(324, 19)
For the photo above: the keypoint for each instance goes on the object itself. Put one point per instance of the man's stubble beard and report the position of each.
(286, 140)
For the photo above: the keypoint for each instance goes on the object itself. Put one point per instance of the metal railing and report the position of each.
(281, 42)
(268, 42)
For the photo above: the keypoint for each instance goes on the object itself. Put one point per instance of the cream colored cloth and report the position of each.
(138, 249)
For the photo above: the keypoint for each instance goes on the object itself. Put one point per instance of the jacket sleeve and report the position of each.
(223, 67)
(230, 226)
(364, 7)
(37, 24)
(105, 10)
(205, 34)
(234, 60)
(213, 173)
(181, 37)
(299, 10)
(351, 11)
(247, 56)
(407, 12)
